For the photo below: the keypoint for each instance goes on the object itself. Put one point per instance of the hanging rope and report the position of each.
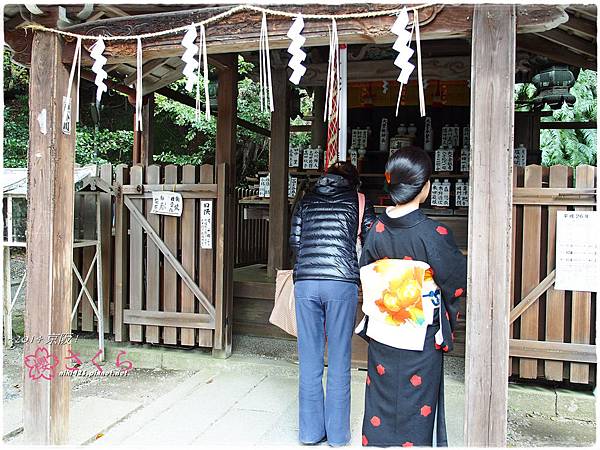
(266, 87)
(332, 70)
(205, 73)
(138, 89)
(76, 64)
(419, 68)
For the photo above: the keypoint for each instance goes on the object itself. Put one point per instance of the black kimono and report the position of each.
(404, 388)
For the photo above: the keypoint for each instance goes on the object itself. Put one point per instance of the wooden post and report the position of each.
(121, 267)
(318, 128)
(226, 153)
(278, 170)
(581, 303)
(492, 116)
(143, 148)
(49, 241)
(7, 297)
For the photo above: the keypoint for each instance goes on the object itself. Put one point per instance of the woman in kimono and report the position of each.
(413, 276)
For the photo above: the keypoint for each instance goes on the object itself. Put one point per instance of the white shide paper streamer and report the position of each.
(188, 57)
(295, 49)
(402, 46)
(99, 62)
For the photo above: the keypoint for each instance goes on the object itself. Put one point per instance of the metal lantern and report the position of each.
(553, 86)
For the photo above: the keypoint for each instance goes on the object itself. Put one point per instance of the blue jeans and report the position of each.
(325, 309)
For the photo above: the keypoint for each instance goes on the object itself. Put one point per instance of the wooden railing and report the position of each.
(552, 332)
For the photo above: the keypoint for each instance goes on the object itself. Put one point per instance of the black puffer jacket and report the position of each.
(323, 231)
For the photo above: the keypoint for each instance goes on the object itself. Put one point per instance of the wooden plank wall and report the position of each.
(557, 316)
(252, 235)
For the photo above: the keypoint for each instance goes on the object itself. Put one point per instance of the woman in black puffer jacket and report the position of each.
(324, 231)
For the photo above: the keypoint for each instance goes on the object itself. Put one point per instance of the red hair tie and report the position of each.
(388, 178)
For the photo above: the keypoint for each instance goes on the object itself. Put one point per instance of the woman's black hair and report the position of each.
(346, 170)
(406, 172)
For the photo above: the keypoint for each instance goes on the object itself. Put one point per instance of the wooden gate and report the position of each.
(169, 290)
(552, 332)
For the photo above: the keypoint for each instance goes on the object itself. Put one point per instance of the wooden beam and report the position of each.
(143, 140)
(226, 153)
(568, 125)
(300, 128)
(435, 68)
(189, 101)
(532, 296)
(90, 76)
(50, 163)
(570, 41)
(146, 69)
(174, 74)
(278, 169)
(240, 32)
(589, 12)
(582, 26)
(539, 46)
(113, 11)
(318, 135)
(556, 351)
(168, 319)
(488, 291)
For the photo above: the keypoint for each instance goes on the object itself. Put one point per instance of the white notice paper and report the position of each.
(167, 203)
(577, 251)
(66, 116)
(206, 224)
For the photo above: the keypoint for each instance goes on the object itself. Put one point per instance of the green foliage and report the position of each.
(178, 137)
(93, 144)
(103, 145)
(568, 147)
(181, 139)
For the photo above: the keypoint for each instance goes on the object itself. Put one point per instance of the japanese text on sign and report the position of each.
(167, 203)
(577, 251)
(66, 116)
(310, 158)
(294, 159)
(206, 224)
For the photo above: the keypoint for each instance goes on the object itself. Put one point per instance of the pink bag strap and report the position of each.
(361, 210)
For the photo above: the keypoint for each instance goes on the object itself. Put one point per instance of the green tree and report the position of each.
(95, 143)
(568, 147)
(179, 138)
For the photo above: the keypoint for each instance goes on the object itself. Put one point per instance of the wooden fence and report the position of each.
(162, 287)
(552, 332)
(252, 234)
